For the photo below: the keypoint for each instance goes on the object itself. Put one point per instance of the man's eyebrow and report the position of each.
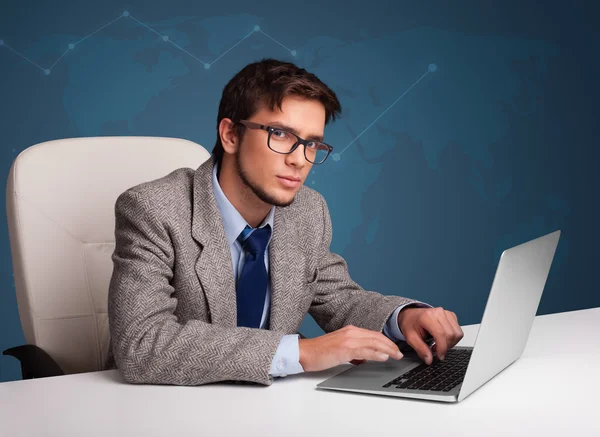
(291, 129)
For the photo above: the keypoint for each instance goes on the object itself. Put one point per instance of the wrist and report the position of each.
(303, 353)
(403, 313)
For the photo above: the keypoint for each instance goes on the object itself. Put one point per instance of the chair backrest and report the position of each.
(60, 199)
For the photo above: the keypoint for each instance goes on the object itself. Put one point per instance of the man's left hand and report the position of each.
(417, 323)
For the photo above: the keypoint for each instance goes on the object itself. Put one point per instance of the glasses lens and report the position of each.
(316, 152)
(282, 142)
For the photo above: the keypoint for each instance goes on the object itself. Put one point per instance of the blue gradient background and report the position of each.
(497, 146)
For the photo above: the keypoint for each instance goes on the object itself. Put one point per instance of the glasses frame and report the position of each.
(299, 140)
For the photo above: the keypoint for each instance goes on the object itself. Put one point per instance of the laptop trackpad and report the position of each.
(373, 374)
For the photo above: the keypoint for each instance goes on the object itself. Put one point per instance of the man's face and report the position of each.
(263, 170)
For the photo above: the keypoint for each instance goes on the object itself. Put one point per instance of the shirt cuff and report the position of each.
(286, 360)
(391, 329)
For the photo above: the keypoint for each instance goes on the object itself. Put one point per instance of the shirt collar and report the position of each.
(233, 221)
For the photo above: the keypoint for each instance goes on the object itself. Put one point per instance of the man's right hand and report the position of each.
(346, 344)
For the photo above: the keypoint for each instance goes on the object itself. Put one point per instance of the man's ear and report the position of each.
(229, 137)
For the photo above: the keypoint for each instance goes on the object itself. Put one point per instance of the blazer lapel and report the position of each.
(213, 267)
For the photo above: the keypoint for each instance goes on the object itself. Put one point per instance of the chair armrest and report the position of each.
(35, 362)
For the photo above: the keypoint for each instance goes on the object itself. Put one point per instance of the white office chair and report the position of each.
(60, 199)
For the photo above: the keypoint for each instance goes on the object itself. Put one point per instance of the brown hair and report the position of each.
(268, 82)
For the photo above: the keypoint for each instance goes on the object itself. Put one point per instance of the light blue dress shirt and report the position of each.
(286, 360)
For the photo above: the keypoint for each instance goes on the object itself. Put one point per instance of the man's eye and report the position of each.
(317, 145)
(279, 134)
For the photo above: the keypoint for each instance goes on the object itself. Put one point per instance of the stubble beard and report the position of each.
(258, 191)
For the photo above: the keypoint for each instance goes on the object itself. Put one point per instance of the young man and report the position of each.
(215, 269)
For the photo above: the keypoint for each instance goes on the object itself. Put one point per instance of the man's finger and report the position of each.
(449, 334)
(432, 325)
(375, 345)
(386, 347)
(457, 329)
(365, 353)
(416, 342)
(367, 333)
(381, 337)
(376, 341)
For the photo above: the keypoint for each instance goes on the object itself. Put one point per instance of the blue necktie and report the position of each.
(251, 289)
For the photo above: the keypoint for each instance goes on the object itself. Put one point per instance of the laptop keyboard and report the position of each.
(439, 376)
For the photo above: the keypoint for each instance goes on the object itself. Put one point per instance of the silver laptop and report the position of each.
(507, 319)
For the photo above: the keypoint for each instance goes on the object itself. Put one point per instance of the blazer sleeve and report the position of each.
(340, 301)
(149, 344)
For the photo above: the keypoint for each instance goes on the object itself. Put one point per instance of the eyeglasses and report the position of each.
(285, 142)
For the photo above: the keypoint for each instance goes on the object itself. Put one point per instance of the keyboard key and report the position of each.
(439, 375)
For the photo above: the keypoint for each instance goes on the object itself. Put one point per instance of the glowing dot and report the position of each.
(207, 66)
(1, 42)
(432, 67)
(165, 38)
(126, 14)
(71, 46)
(337, 156)
(313, 182)
(47, 71)
(256, 28)
(293, 52)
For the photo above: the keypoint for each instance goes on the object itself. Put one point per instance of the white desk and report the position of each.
(535, 396)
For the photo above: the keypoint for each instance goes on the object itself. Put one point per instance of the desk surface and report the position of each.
(535, 396)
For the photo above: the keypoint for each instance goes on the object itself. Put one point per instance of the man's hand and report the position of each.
(346, 344)
(416, 323)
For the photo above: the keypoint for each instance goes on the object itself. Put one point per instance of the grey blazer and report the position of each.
(172, 301)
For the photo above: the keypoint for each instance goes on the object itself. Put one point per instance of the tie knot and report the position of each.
(256, 242)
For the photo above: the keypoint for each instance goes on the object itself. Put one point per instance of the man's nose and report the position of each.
(297, 157)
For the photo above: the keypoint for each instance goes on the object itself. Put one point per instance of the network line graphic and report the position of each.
(165, 38)
(336, 156)
(432, 68)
